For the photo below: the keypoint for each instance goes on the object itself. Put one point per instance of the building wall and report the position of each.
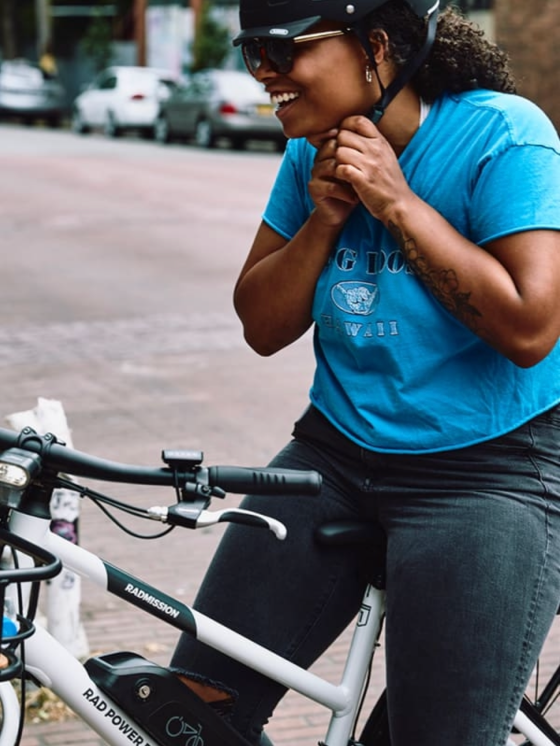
(529, 30)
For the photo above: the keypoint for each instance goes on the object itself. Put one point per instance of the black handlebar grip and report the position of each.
(265, 481)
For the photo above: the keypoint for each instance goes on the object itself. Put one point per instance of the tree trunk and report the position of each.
(8, 29)
(43, 15)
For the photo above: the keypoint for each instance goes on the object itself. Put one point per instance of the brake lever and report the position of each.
(192, 515)
(245, 517)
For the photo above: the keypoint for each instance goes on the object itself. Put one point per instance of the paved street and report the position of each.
(118, 264)
(119, 259)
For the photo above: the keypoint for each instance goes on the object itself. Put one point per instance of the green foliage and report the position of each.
(212, 40)
(98, 40)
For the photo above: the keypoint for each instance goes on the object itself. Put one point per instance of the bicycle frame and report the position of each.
(54, 667)
(57, 669)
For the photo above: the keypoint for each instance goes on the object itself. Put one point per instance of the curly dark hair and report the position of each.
(462, 58)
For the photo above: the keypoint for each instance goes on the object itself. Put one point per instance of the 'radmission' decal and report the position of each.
(157, 603)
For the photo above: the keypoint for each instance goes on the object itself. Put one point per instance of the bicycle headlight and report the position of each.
(18, 468)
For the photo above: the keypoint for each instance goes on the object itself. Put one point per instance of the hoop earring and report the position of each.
(369, 75)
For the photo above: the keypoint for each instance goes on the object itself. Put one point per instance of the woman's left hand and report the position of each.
(506, 291)
(367, 162)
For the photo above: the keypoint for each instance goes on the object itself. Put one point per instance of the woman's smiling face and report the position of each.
(326, 84)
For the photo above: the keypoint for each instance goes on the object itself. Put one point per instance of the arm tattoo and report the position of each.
(442, 283)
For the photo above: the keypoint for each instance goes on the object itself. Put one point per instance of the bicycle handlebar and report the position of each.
(60, 458)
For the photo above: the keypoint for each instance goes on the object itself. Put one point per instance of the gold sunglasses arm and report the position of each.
(319, 35)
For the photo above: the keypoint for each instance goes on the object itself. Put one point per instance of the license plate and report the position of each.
(265, 110)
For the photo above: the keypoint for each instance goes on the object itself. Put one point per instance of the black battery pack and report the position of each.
(159, 702)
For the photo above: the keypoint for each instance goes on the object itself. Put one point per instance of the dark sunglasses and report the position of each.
(280, 52)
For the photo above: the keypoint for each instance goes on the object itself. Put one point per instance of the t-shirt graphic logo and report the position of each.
(358, 298)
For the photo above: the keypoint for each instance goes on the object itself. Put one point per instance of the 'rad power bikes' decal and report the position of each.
(117, 720)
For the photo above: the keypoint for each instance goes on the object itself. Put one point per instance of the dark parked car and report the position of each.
(27, 93)
(219, 103)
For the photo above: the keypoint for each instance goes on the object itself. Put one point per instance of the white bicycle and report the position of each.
(122, 696)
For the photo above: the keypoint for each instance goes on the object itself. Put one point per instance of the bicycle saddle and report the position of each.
(369, 535)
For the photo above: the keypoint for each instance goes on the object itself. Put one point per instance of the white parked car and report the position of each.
(122, 98)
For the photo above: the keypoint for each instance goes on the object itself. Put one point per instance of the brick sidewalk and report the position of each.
(107, 422)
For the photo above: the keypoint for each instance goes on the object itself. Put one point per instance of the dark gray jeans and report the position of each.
(473, 579)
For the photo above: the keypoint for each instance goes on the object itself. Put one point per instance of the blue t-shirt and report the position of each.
(395, 371)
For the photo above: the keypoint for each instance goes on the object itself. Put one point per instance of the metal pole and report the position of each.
(64, 593)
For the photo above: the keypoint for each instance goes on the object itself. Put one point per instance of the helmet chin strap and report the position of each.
(405, 73)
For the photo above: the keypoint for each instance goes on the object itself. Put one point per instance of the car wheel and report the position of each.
(238, 143)
(161, 130)
(77, 123)
(204, 134)
(111, 128)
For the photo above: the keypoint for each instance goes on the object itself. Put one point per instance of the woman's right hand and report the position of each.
(334, 199)
(274, 293)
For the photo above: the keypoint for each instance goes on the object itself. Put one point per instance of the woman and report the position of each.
(415, 223)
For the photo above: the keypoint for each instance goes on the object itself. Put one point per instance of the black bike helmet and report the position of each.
(284, 19)
(287, 18)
